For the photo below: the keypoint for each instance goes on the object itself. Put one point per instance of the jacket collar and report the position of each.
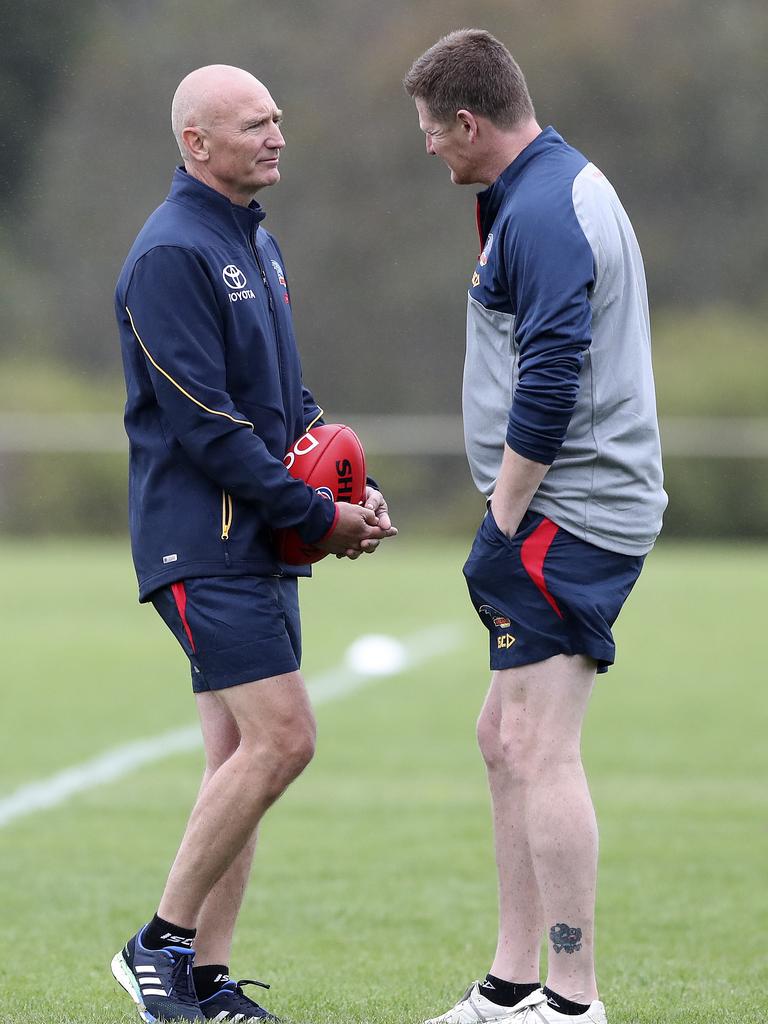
(201, 197)
(489, 201)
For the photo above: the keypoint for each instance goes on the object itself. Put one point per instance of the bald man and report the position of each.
(214, 400)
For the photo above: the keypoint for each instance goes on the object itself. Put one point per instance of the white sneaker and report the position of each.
(535, 1009)
(474, 1008)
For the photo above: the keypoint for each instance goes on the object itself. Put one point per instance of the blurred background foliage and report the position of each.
(668, 98)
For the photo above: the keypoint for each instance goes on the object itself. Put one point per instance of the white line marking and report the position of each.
(123, 760)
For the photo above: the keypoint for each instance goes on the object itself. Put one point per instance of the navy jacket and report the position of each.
(558, 361)
(214, 393)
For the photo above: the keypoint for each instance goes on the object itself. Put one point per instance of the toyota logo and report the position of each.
(234, 277)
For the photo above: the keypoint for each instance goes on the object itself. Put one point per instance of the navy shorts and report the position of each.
(234, 629)
(545, 592)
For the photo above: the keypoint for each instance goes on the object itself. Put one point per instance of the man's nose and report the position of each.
(277, 141)
(430, 147)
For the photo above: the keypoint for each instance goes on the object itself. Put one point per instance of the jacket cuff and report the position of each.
(534, 453)
(332, 527)
(319, 521)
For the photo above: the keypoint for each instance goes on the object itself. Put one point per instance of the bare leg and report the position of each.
(546, 834)
(216, 923)
(521, 922)
(277, 731)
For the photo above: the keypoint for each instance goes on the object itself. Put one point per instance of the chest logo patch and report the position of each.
(281, 278)
(486, 250)
(236, 281)
(234, 277)
(279, 272)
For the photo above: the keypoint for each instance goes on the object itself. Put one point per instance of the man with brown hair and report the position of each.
(562, 439)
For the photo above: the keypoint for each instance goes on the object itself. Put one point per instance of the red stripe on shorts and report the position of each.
(534, 551)
(180, 597)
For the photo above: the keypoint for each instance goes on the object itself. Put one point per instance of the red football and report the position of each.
(331, 459)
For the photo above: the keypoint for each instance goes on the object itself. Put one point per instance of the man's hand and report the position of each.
(359, 528)
(376, 502)
(518, 481)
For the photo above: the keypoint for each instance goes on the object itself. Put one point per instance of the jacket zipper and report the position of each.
(226, 523)
(265, 282)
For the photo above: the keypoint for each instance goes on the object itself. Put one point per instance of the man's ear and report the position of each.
(468, 123)
(196, 143)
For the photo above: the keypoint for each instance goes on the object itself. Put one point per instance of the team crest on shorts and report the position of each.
(494, 617)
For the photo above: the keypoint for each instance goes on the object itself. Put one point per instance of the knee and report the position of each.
(289, 748)
(519, 754)
(216, 754)
(297, 747)
(507, 748)
(489, 739)
(529, 757)
(502, 748)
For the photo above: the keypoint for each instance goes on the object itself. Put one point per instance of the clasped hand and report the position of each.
(360, 528)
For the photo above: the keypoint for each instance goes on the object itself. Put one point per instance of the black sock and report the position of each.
(159, 933)
(506, 993)
(563, 1005)
(209, 978)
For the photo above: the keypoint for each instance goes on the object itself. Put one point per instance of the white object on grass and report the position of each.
(375, 654)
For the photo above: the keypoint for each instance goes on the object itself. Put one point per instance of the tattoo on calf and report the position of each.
(565, 937)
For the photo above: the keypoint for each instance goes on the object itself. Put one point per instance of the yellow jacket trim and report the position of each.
(214, 412)
(314, 421)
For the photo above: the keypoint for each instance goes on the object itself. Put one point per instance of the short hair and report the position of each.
(470, 69)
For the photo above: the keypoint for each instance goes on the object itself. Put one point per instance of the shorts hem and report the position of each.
(203, 682)
(604, 658)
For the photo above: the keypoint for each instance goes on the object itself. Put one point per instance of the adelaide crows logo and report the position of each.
(494, 616)
(281, 278)
(486, 250)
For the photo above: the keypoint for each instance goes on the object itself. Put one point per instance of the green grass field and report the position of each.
(373, 896)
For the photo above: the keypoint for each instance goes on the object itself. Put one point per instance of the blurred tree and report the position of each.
(38, 46)
(666, 98)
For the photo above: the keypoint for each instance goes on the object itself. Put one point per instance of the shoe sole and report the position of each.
(124, 977)
(500, 1018)
(479, 1020)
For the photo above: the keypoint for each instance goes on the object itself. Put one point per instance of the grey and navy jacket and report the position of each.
(214, 393)
(558, 360)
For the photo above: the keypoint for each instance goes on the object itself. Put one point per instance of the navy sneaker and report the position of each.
(230, 1003)
(159, 981)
